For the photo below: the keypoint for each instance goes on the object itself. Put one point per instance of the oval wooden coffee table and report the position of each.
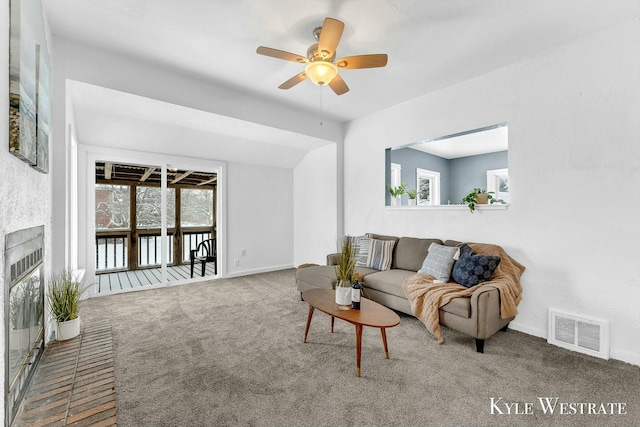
(370, 314)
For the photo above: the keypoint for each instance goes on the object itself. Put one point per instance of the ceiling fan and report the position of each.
(322, 67)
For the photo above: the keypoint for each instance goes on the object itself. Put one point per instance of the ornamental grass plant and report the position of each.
(64, 294)
(346, 267)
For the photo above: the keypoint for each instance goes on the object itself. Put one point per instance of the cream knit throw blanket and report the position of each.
(427, 296)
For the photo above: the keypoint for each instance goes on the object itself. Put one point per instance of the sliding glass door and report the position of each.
(130, 235)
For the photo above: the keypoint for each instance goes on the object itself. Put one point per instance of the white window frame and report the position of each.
(396, 174)
(434, 178)
(493, 183)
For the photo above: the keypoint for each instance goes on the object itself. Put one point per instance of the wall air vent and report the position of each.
(579, 333)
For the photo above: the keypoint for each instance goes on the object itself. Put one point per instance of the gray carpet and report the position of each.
(230, 352)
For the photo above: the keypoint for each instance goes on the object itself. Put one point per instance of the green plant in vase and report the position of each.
(396, 192)
(412, 195)
(63, 297)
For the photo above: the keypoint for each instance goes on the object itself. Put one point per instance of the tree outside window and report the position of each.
(428, 184)
(112, 207)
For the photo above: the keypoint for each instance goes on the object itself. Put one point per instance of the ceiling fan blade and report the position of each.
(329, 37)
(281, 54)
(338, 85)
(363, 61)
(293, 81)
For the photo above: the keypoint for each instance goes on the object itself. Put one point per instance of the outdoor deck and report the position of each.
(125, 280)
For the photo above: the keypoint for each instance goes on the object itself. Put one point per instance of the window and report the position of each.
(396, 174)
(498, 183)
(196, 208)
(112, 206)
(148, 207)
(428, 185)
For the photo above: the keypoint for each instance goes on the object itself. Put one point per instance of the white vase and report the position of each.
(412, 202)
(69, 329)
(395, 201)
(343, 295)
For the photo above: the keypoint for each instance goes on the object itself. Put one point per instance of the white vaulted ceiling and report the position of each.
(431, 43)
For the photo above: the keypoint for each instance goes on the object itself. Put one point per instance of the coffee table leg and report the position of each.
(332, 321)
(384, 341)
(358, 348)
(306, 330)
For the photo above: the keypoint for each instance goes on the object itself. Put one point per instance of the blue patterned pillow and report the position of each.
(439, 262)
(472, 268)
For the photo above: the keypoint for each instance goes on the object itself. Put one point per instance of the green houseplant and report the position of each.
(345, 270)
(478, 196)
(412, 194)
(396, 192)
(63, 295)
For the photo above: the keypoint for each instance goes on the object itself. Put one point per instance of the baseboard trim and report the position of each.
(623, 356)
(258, 271)
(528, 330)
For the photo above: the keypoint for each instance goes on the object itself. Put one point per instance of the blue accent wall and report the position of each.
(411, 159)
(470, 172)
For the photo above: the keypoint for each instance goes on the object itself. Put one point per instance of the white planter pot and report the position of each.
(395, 201)
(412, 202)
(69, 329)
(343, 295)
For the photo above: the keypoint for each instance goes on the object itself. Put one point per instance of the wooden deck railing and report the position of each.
(112, 251)
(113, 248)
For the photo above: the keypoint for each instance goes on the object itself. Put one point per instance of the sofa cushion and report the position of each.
(410, 252)
(365, 271)
(322, 276)
(382, 237)
(460, 306)
(380, 254)
(439, 262)
(472, 268)
(389, 281)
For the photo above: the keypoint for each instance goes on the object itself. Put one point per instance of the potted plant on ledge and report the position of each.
(63, 295)
(412, 194)
(396, 192)
(478, 196)
(345, 271)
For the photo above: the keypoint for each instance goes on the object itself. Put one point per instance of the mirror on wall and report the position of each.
(442, 170)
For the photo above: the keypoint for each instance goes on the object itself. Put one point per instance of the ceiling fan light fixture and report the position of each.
(321, 72)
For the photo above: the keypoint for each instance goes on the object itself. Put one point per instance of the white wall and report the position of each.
(25, 194)
(574, 163)
(259, 218)
(315, 221)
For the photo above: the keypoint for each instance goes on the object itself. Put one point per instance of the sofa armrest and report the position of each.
(333, 259)
(476, 295)
(485, 309)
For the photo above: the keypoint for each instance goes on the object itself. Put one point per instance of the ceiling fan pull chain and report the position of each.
(321, 109)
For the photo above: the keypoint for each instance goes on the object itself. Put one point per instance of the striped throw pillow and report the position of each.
(380, 254)
(364, 246)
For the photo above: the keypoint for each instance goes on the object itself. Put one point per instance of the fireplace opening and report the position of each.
(24, 313)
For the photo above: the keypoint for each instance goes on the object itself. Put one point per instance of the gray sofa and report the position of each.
(477, 315)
